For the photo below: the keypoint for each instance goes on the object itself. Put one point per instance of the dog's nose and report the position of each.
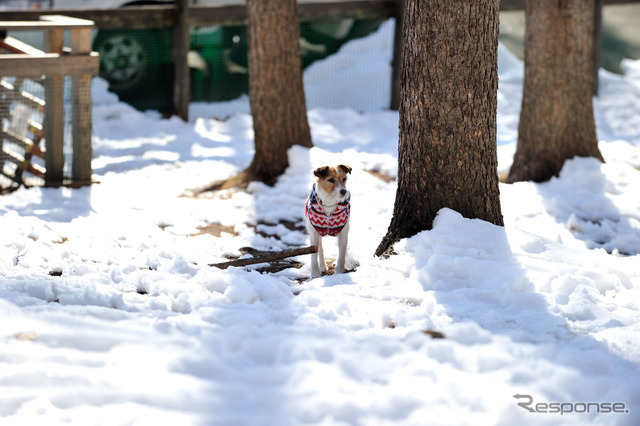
(343, 191)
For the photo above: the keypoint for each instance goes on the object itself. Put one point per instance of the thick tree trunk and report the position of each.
(447, 155)
(275, 86)
(556, 120)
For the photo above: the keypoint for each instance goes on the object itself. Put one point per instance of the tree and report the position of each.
(447, 153)
(276, 91)
(556, 120)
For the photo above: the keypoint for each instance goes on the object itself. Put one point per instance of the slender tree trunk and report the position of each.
(275, 86)
(556, 120)
(447, 155)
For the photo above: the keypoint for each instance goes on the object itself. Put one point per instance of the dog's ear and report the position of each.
(321, 172)
(344, 168)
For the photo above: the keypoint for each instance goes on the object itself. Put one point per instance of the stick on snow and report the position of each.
(267, 257)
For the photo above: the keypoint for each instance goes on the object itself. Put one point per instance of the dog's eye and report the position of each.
(344, 179)
(332, 180)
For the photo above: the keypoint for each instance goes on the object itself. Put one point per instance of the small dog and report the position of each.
(327, 211)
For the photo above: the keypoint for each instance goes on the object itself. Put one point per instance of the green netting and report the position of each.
(138, 64)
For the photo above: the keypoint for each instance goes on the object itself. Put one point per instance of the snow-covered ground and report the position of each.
(109, 314)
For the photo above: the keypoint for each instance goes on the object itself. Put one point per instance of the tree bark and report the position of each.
(276, 91)
(556, 119)
(447, 154)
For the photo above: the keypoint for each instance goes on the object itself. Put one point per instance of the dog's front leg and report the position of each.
(343, 239)
(317, 259)
(322, 263)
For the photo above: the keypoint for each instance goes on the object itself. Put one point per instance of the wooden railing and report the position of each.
(54, 63)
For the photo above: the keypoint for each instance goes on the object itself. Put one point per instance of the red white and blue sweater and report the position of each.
(330, 224)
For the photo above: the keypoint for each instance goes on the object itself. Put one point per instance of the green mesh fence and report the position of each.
(138, 64)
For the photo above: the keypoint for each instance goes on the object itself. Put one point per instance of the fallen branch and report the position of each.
(268, 257)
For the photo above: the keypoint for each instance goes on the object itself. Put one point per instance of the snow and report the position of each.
(110, 314)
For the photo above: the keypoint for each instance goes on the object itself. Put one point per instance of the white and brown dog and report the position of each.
(327, 212)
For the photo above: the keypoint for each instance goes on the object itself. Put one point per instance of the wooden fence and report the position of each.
(182, 15)
(54, 63)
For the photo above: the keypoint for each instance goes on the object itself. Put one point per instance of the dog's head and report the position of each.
(332, 182)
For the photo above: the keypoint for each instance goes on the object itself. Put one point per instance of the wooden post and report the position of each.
(54, 113)
(181, 78)
(81, 112)
(397, 57)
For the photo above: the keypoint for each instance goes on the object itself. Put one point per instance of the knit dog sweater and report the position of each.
(326, 224)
